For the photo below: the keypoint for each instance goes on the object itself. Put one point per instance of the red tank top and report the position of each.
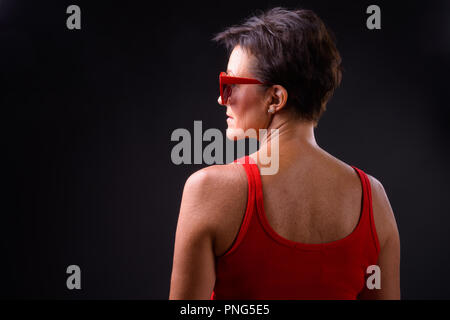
(261, 264)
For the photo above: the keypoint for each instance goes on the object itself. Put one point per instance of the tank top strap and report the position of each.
(254, 178)
(251, 170)
(368, 210)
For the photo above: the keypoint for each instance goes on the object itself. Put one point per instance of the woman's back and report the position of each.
(313, 198)
(307, 232)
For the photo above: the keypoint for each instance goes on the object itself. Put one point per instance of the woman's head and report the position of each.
(292, 50)
(248, 103)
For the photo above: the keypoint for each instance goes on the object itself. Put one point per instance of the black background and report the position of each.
(87, 117)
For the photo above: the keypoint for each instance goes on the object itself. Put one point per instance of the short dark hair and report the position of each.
(295, 49)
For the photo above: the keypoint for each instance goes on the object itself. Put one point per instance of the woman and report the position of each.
(313, 230)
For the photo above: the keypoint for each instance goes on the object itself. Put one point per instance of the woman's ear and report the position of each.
(277, 97)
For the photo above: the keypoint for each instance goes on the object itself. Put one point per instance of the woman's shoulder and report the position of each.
(220, 193)
(384, 218)
(219, 186)
(222, 177)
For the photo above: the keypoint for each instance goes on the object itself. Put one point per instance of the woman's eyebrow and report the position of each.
(230, 72)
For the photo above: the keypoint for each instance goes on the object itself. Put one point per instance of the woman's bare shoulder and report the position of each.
(220, 194)
(385, 222)
(218, 180)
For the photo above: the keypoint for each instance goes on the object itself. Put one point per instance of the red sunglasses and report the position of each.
(225, 83)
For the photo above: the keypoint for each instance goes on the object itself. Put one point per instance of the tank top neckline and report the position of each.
(365, 206)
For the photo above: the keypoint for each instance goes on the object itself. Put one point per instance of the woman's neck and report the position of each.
(289, 132)
(285, 136)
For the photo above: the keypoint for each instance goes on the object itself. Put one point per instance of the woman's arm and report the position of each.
(389, 257)
(193, 270)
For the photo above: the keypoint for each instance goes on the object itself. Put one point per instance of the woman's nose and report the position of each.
(219, 100)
